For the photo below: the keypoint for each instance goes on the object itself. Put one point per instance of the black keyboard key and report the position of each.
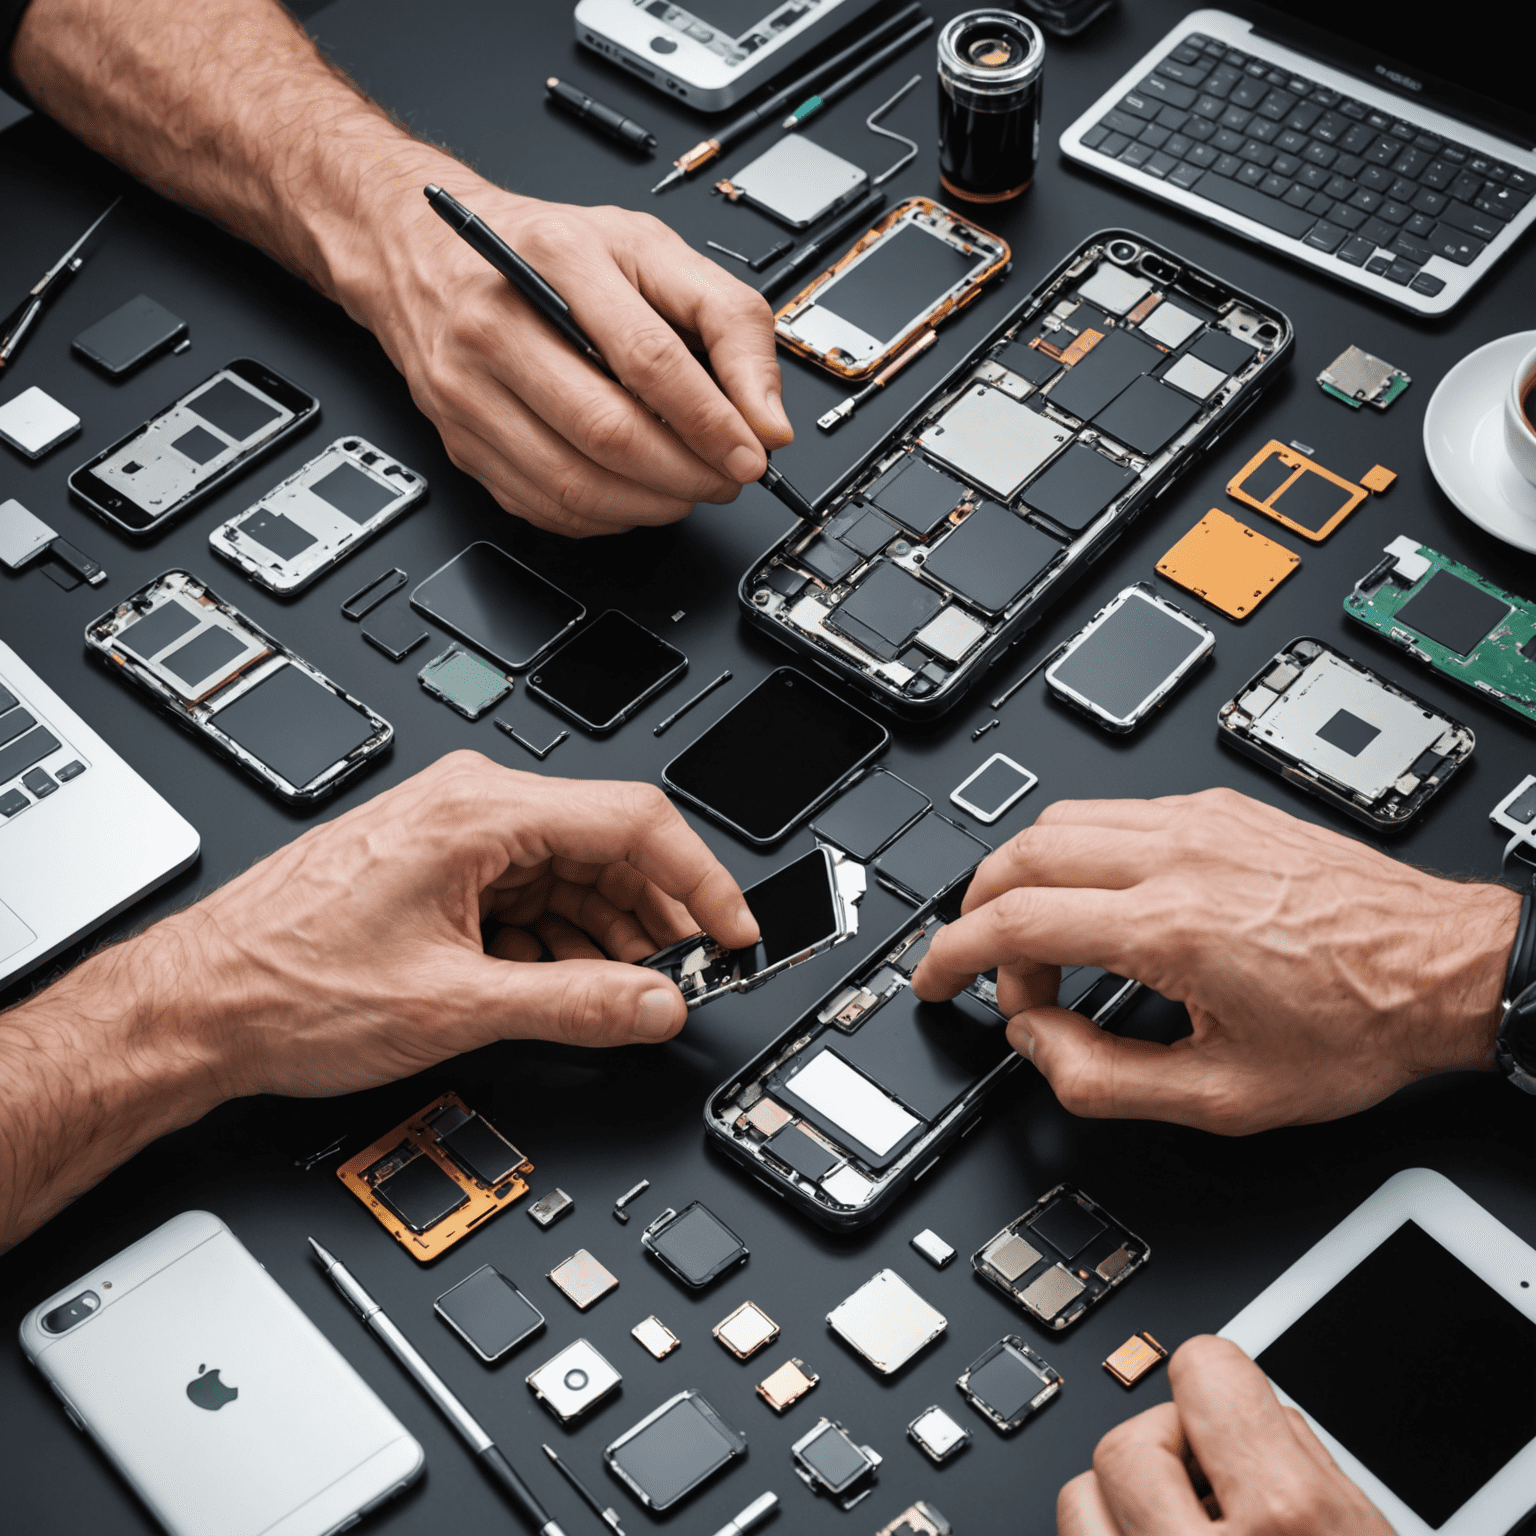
(1160, 164)
(1378, 233)
(1337, 187)
(1349, 165)
(1401, 272)
(1185, 176)
(1263, 130)
(1298, 196)
(1365, 200)
(1357, 250)
(1427, 202)
(1377, 265)
(1319, 204)
(1286, 165)
(1456, 245)
(1303, 117)
(1402, 190)
(1315, 176)
(1235, 119)
(1122, 122)
(1190, 71)
(1352, 108)
(1134, 154)
(1320, 154)
(1274, 186)
(1324, 236)
(40, 782)
(69, 771)
(1392, 212)
(1228, 142)
(1209, 107)
(1522, 181)
(1227, 165)
(1095, 136)
(27, 750)
(1454, 153)
(1138, 105)
(1178, 146)
(1199, 129)
(1427, 284)
(1420, 224)
(1465, 187)
(1410, 163)
(1345, 216)
(1171, 118)
(1250, 175)
(1113, 145)
(1325, 98)
(1406, 248)
(7, 699)
(1248, 93)
(1201, 156)
(12, 724)
(1277, 106)
(1481, 164)
(1378, 120)
(1257, 154)
(13, 802)
(1253, 204)
(1330, 127)
(1221, 80)
(1169, 92)
(1290, 142)
(1377, 177)
(1428, 143)
(1153, 136)
(1506, 200)
(1470, 220)
(1187, 51)
(1238, 61)
(1277, 77)
(1438, 174)
(1357, 140)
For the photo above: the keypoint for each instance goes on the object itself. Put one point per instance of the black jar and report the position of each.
(990, 73)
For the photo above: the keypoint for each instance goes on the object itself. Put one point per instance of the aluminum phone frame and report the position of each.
(719, 1115)
(1088, 546)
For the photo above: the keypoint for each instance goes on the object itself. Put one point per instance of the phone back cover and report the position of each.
(228, 1411)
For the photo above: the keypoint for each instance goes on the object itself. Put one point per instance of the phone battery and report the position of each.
(131, 335)
(797, 181)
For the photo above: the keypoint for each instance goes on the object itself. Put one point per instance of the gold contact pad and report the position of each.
(1227, 564)
(1139, 1354)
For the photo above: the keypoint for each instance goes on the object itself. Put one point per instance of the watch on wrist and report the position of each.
(1515, 1051)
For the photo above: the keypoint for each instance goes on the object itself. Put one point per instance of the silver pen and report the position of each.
(754, 1514)
(487, 1452)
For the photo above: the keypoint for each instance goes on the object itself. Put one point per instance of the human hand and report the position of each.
(1222, 1456)
(518, 408)
(353, 956)
(1320, 975)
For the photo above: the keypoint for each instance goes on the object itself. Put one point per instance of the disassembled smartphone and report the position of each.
(802, 909)
(168, 465)
(1128, 658)
(1448, 617)
(1009, 1383)
(222, 676)
(318, 516)
(843, 1110)
(437, 1176)
(1064, 1255)
(1339, 731)
(950, 538)
(674, 1450)
(612, 669)
(915, 268)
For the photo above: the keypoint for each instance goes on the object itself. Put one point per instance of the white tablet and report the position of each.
(1407, 1337)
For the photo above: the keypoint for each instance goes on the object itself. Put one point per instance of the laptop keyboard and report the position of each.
(24, 743)
(1315, 166)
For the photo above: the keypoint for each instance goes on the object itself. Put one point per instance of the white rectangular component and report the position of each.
(1170, 325)
(654, 1336)
(1194, 377)
(994, 787)
(1410, 563)
(991, 441)
(933, 1248)
(33, 422)
(797, 181)
(1361, 736)
(1114, 289)
(937, 1435)
(950, 634)
(22, 534)
(851, 1102)
(886, 1322)
(573, 1381)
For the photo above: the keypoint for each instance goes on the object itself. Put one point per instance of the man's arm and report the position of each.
(1320, 975)
(226, 106)
(353, 957)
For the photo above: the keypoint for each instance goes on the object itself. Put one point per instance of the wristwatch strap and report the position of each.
(1521, 971)
(1519, 1020)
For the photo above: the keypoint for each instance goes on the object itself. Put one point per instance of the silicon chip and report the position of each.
(655, 1337)
(1139, 1354)
(1052, 1291)
(782, 1388)
(746, 1330)
(420, 1194)
(582, 1279)
(482, 1151)
(464, 682)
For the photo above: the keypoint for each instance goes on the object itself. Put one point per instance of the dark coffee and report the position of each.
(989, 105)
(1528, 403)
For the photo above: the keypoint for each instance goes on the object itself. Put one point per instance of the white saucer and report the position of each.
(1464, 442)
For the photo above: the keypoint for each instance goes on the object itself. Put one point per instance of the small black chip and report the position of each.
(1104, 373)
(421, 1194)
(1077, 487)
(869, 534)
(695, 1244)
(891, 603)
(1222, 351)
(929, 857)
(916, 495)
(1010, 1382)
(1452, 611)
(1029, 362)
(784, 581)
(481, 1151)
(1147, 416)
(1067, 1227)
(827, 559)
(992, 557)
(280, 534)
(796, 1150)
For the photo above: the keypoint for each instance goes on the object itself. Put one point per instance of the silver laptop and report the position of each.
(81, 834)
(1392, 154)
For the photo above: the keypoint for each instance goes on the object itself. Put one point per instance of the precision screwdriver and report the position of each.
(733, 132)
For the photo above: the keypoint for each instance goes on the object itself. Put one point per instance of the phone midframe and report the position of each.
(783, 593)
(839, 1015)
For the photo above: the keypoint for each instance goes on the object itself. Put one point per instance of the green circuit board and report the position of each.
(1453, 620)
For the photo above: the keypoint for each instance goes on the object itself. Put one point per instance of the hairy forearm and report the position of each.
(96, 1067)
(226, 106)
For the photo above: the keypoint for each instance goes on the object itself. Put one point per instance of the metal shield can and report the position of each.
(990, 69)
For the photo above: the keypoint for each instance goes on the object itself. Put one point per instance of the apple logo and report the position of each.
(207, 1391)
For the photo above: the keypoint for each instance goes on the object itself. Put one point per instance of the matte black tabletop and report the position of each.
(1223, 1217)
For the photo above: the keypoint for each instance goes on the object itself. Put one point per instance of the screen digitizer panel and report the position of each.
(607, 672)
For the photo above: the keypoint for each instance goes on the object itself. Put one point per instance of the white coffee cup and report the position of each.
(1519, 434)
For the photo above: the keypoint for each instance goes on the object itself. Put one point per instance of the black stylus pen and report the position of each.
(487, 1452)
(614, 123)
(484, 239)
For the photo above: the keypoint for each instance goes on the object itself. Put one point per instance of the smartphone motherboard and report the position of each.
(1021, 468)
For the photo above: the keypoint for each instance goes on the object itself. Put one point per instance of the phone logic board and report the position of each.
(1016, 472)
(437, 1176)
(1451, 619)
(843, 1110)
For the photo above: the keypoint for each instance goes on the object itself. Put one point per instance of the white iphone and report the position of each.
(216, 1398)
(1407, 1336)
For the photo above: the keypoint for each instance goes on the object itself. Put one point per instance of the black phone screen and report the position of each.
(794, 907)
(498, 605)
(767, 764)
(897, 281)
(607, 672)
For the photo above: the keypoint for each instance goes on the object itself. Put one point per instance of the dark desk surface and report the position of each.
(1223, 1218)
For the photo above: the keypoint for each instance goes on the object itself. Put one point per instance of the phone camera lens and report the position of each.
(576, 1379)
(1121, 250)
(73, 1311)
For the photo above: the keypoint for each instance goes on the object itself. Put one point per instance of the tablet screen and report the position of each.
(1419, 1368)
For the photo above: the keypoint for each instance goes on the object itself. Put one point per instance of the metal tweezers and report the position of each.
(52, 282)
